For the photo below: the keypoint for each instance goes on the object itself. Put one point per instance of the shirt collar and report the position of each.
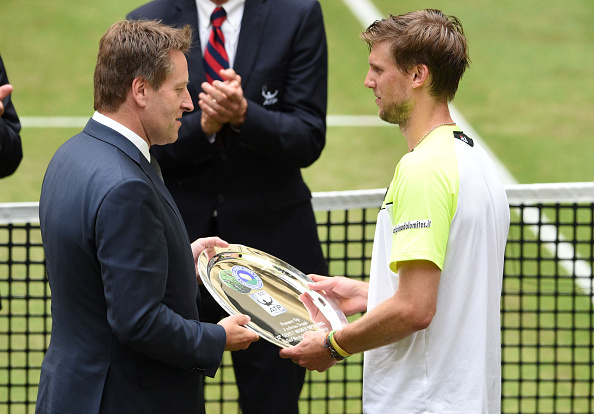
(233, 8)
(140, 143)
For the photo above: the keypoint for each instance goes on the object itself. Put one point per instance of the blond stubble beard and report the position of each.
(397, 113)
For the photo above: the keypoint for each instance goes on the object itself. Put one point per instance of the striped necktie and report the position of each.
(215, 56)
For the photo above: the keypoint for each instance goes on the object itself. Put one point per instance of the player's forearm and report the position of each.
(391, 321)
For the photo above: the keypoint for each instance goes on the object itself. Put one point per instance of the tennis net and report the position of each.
(547, 302)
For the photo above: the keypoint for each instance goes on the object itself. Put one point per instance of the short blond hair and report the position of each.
(131, 49)
(426, 37)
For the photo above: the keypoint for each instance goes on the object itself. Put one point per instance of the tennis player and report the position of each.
(431, 334)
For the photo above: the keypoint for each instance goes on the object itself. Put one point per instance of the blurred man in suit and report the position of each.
(126, 336)
(258, 72)
(11, 151)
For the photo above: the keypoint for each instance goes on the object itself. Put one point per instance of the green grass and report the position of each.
(529, 93)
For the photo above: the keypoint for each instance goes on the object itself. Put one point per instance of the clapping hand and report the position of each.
(5, 90)
(222, 102)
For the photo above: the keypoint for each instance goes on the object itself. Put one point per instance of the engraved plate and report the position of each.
(275, 295)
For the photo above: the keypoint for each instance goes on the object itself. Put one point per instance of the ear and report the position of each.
(419, 73)
(139, 91)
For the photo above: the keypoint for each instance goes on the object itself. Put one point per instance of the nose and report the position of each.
(369, 82)
(187, 104)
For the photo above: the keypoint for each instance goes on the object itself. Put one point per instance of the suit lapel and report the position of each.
(109, 136)
(187, 14)
(250, 37)
(255, 14)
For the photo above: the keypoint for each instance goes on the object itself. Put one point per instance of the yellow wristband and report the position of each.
(337, 347)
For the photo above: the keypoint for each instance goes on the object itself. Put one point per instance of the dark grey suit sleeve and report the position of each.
(11, 151)
(296, 133)
(137, 256)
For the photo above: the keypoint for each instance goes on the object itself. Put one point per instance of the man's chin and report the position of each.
(395, 117)
(169, 140)
(388, 119)
(174, 135)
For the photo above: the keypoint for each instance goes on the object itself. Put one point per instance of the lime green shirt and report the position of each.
(423, 196)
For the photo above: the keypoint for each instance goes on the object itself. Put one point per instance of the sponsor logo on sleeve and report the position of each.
(464, 138)
(414, 224)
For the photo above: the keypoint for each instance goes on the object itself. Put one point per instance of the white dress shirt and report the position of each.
(140, 143)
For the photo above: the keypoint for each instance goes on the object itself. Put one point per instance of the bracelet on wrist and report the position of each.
(337, 347)
(331, 350)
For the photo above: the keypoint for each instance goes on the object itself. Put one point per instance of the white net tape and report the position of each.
(518, 194)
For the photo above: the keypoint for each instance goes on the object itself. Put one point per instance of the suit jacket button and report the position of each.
(223, 156)
(221, 198)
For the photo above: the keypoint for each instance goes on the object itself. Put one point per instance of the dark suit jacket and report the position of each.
(125, 333)
(254, 180)
(11, 151)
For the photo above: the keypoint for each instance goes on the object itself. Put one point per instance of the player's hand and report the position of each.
(238, 336)
(350, 295)
(315, 314)
(312, 309)
(5, 90)
(310, 352)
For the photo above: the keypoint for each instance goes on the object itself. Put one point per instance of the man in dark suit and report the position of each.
(11, 151)
(235, 170)
(126, 336)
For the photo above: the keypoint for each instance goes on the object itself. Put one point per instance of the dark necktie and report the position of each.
(157, 167)
(215, 56)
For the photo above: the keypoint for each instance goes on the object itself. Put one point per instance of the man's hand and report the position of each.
(222, 102)
(209, 125)
(350, 295)
(238, 336)
(5, 90)
(310, 352)
(207, 244)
